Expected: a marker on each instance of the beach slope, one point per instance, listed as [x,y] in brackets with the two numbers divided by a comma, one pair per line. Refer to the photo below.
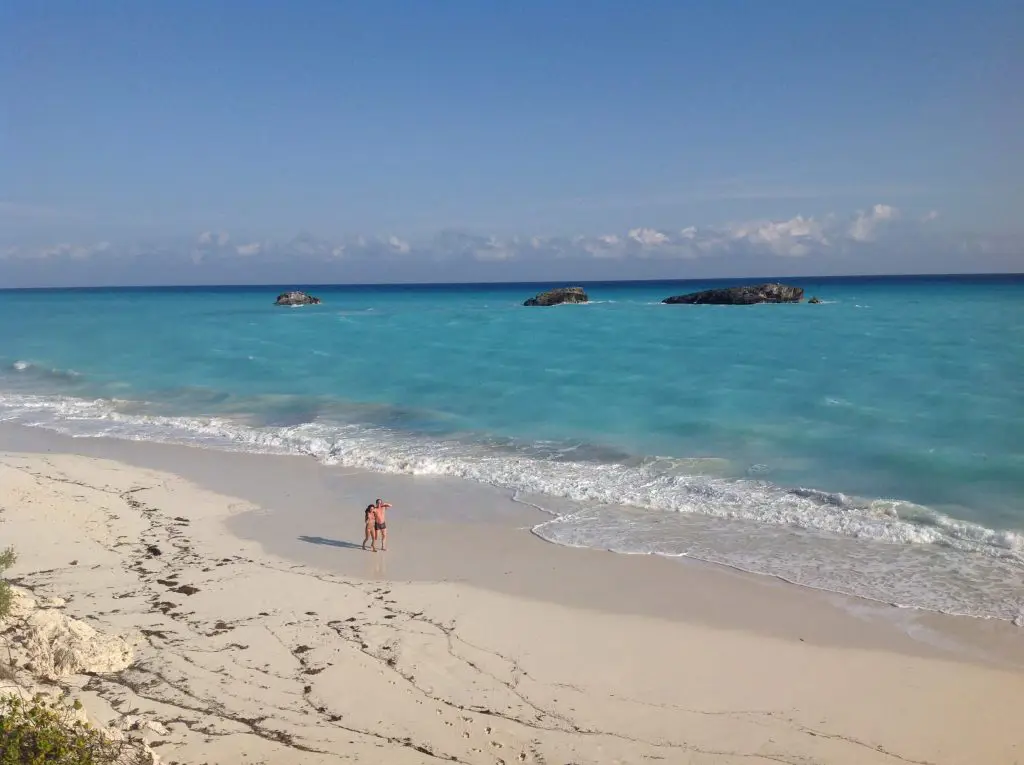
[240,656]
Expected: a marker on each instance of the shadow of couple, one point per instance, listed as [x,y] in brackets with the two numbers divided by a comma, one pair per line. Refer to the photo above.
[330,542]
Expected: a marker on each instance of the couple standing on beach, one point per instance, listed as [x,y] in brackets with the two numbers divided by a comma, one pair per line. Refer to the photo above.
[375,524]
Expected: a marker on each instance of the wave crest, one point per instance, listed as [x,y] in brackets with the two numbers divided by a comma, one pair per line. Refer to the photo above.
[40,370]
[641,490]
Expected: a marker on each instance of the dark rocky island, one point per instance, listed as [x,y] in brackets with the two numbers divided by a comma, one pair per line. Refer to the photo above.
[746,295]
[296,298]
[558,296]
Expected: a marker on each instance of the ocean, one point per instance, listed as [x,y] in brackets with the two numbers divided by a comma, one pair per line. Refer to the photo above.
[871,445]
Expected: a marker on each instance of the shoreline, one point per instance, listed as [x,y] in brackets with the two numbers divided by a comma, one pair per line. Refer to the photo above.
[910,557]
[245,655]
[501,554]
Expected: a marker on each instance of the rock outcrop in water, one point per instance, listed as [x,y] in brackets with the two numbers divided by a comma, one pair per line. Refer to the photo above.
[558,296]
[296,298]
[746,295]
[814,301]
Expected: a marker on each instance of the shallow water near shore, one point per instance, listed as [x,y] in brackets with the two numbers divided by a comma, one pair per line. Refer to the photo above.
[870,445]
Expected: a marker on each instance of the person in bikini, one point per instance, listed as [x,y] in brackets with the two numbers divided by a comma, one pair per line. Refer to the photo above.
[369,519]
[380,525]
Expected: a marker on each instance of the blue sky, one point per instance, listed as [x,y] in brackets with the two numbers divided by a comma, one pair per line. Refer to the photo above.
[196,141]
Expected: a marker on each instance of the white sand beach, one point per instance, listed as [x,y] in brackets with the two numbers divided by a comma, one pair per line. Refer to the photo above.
[262,637]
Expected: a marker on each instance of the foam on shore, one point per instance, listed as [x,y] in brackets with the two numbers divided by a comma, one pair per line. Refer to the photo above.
[887,550]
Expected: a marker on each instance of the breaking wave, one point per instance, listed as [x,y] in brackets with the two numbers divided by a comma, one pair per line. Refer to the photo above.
[884,549]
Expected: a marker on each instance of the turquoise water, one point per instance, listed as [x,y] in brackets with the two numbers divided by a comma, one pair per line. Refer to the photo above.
[873,444]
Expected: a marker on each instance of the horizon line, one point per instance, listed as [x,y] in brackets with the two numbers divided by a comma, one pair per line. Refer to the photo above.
[529,282]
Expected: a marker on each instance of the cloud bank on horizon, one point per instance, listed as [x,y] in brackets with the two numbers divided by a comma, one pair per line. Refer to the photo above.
[857,243]
[739,140]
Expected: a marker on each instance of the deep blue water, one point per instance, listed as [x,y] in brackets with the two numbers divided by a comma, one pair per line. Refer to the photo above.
[872,444]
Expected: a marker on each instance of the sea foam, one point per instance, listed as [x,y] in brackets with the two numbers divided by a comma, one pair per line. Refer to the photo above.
[884,549]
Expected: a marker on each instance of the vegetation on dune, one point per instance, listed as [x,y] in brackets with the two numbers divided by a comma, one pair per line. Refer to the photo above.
[40,733]
[7,559]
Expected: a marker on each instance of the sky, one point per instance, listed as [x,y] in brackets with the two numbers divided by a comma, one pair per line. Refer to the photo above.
[193,141]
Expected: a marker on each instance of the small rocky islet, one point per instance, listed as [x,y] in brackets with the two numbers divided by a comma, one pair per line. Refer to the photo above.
[751,294]
[559,296]
[296,297]
[743,295]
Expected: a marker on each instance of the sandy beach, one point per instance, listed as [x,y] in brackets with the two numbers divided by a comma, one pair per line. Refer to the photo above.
[260,633]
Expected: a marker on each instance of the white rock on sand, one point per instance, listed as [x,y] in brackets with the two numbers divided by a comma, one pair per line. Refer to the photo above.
[46,646]
[55,645]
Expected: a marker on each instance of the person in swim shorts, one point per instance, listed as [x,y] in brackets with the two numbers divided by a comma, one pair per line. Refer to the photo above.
[380,526]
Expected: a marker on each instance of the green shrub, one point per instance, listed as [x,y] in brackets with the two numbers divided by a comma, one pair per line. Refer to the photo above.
[7,559]
[38,733]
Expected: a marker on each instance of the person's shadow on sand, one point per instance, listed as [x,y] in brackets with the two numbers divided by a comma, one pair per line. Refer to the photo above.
[329,542]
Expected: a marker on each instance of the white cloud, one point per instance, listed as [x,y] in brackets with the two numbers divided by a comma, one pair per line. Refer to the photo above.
[494,249]
[865,225]
[800,236]
[603,246]
[449,244]
[252,248]
[648,237]
[930,216]
[309,246]
[220,238]
[88,252]
[795,237]
[62,250]
[398,245]
[57,250]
